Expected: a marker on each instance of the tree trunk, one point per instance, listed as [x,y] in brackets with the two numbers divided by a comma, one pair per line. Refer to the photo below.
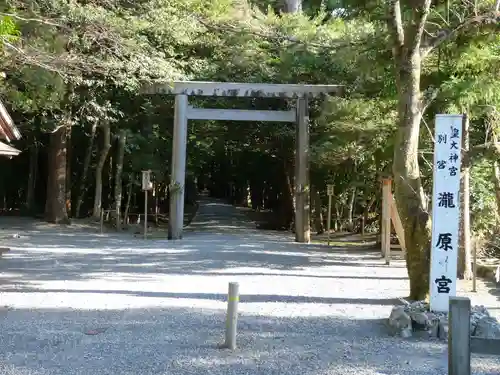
[30,196]
[55,206]
[496,183]
[366,213]
[350,210]
[337,225]
[465,255]
[288,208]
[110,170]
[122,139]
[409,195]
[86,165]
[157,207]
[129,198]
[496,175]
[100,165]
[68,171]
[380,224]
[293,6]
[51,161]
[318,211]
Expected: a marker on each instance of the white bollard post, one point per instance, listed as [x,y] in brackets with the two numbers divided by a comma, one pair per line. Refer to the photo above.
[232,315]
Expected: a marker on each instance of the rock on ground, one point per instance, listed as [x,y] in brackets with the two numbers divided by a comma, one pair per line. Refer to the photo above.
[407,318]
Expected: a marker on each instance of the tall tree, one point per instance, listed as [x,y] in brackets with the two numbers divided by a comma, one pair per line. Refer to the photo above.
[407,28]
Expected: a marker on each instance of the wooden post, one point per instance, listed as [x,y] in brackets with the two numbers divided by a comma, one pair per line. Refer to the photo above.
[466,208]
[232,315]
[398,225]
[386,219]
[302,208]
[328,222]
[474,270]
[146,185]
[381,225]
[176,215]
[459,337]
[329,192]
[145,214]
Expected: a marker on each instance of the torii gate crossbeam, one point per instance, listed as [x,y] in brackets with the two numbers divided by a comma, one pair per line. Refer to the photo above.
[183,112]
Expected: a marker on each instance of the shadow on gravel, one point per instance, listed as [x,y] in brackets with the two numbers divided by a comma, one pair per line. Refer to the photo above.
[254,298]
[175,341]
[493,289]
[184,341]
[83,257]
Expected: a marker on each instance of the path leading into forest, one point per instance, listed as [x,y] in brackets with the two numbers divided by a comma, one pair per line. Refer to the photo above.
[82,303]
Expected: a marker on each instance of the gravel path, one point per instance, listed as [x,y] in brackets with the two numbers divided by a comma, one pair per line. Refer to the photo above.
[83,303]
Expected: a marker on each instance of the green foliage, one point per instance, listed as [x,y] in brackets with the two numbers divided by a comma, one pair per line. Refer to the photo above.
[483,205]
[87,60]
[354,129]
[8,30]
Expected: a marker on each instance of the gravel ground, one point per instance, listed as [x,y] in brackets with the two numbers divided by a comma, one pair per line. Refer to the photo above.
[82,303]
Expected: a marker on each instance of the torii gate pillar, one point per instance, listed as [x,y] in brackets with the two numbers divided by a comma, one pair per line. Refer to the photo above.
[178,176]
[299,116]
[302,198]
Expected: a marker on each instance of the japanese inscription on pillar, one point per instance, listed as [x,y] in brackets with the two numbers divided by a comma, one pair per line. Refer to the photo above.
[445,210]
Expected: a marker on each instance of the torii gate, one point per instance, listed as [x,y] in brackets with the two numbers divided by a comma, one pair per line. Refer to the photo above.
[184,112]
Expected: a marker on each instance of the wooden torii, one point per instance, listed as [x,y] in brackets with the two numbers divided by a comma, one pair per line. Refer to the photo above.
[184,112]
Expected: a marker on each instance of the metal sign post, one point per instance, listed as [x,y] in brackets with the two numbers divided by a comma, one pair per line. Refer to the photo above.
[329,191]
[146,185]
